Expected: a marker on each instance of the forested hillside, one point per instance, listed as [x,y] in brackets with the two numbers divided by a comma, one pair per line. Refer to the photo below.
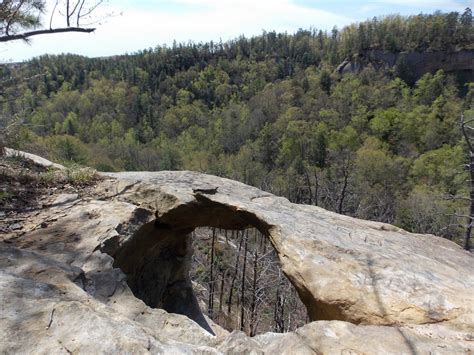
[270,111]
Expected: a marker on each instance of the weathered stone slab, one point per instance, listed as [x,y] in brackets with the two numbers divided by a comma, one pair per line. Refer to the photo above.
[343,268]
[370,287]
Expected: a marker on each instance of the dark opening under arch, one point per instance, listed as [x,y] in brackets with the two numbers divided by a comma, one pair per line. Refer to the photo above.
[157,258]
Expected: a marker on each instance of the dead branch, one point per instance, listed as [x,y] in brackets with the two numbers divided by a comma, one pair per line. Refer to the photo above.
[29,34]
[453,197]
[464,132]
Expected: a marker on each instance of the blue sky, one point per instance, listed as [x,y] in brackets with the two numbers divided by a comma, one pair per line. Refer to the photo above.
[140,24]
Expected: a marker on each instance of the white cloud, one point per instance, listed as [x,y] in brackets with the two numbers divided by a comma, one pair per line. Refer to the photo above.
[210,20]
[426,3]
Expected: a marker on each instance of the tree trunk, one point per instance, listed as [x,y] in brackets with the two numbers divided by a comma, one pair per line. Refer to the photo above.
[316,188]
[253,305]
[279,310]
[308,184]
[242,290]
[210,308]
[234,277]
[343,194]
[221,294]
[467,133]
[467,234]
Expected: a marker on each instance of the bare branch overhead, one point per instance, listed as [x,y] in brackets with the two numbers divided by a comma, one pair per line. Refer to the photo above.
[22,19]
[26,35]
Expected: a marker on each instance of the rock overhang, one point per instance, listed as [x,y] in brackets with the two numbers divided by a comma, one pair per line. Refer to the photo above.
[356,266]
[343,268]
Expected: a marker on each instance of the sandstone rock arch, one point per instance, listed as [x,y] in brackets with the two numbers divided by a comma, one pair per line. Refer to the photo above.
[62,293]
[343,268]
[156,259]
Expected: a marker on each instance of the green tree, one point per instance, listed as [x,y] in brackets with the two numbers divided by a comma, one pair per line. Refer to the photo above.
[378,178]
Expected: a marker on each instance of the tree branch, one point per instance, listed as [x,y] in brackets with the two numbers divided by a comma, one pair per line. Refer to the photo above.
[52,15]
[79,12]
[463,129]
[89,11]
[26,35]
[455,197]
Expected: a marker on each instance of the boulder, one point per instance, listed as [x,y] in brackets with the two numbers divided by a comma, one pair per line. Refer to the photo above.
[34,158]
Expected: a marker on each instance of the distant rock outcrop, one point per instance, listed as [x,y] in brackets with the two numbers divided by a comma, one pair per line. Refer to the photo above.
[107,270]
[413,63]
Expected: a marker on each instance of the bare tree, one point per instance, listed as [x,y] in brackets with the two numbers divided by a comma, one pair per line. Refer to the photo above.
[279,309]
[234,276]
[255,290]
[242,296]
[221,292]
[23,19]
[245,274]
[210,307]
[467,132]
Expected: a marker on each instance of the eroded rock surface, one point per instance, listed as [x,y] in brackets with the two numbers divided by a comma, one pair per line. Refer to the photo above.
[68,286]
[419,63]
[343,268]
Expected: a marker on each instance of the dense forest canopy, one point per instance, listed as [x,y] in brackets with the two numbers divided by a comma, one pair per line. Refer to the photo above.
[270,111]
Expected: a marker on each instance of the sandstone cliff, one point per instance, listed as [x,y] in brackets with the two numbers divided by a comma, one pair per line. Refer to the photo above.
[107,272]
[415,63]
